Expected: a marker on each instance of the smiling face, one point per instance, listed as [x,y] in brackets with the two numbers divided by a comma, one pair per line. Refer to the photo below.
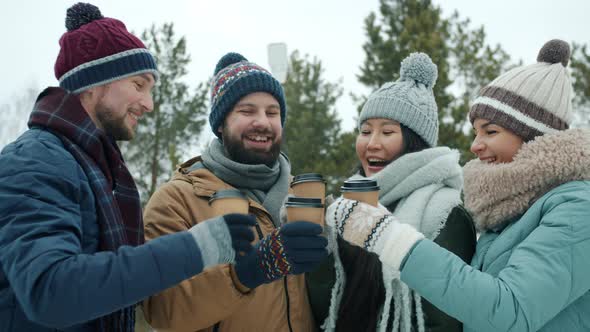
[117,106]
[493,143]
[379,142]
[252,131]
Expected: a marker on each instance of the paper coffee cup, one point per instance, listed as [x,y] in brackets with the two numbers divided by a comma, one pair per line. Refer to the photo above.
[229,201]
[363,190]
[309,185]
[306,209]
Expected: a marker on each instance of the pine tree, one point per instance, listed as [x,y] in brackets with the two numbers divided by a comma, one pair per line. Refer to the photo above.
[343,161]
[403,27]
[580,66]
[166,134]
[312,129]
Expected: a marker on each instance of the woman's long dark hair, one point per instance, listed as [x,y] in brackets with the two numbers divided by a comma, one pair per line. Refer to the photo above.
[364,293]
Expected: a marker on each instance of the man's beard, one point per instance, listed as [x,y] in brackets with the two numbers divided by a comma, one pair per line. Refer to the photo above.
[237,152]
[112,124]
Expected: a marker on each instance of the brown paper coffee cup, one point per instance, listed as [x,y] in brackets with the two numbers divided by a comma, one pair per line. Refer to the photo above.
[365,190]
[229,201]
[306,209]
[309,185]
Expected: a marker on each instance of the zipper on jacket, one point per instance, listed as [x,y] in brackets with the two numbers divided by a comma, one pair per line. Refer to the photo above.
[260,235]
[288,305]
[259,231]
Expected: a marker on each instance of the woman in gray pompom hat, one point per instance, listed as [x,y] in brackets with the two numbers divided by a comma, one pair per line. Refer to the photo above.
[420,184]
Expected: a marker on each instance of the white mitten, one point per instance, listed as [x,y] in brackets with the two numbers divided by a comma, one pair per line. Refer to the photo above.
[372,228]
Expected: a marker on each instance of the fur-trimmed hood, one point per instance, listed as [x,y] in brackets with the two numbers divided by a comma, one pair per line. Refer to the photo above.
[496,193]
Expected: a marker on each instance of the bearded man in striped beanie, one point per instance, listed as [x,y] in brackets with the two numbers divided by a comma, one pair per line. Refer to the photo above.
[248,112]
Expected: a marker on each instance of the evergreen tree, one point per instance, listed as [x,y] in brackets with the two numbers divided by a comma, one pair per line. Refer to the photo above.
[165,135]
[343,161]
[403,27]
[580,66]
[312,131]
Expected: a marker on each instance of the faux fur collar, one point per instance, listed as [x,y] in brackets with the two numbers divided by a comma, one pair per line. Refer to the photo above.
[496,193]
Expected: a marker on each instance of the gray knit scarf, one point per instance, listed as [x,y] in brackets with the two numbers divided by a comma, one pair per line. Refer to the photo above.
[427,184]
[267,185]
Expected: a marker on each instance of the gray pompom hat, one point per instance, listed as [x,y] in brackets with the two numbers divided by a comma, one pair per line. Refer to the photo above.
[409,100]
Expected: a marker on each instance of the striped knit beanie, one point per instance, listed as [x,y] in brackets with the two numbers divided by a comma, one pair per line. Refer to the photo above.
[235,78]
[531,100]
[97,50]
[409,100]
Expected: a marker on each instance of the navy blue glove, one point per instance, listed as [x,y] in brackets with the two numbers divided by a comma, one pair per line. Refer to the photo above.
[295,248]
[240,230]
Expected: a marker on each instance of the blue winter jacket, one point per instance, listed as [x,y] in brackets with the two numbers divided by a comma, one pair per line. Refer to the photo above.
[533,275]
[52,276]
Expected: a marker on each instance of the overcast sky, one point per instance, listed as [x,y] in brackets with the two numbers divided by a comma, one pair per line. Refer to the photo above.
[332,30]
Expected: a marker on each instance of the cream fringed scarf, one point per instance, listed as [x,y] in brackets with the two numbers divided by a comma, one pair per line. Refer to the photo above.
[495,193]
[427,185]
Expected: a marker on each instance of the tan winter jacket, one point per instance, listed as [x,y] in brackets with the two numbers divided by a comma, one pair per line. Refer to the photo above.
[215,300]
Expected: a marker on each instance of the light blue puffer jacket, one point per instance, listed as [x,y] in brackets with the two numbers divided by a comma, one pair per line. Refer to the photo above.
[532,275]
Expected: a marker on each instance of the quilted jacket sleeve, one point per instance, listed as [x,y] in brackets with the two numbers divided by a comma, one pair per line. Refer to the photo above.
[54,281]
[544,274]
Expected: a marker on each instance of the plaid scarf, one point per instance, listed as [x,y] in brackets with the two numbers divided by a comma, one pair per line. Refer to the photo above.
[117,200]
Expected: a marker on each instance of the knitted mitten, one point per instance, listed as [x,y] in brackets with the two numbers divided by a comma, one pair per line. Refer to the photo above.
[374,229]
[220,238]
[295,248]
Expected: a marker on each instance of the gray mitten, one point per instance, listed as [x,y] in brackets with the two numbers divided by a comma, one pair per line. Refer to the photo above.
[220,238]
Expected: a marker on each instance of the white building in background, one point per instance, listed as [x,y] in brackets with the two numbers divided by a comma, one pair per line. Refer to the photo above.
[278,61]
